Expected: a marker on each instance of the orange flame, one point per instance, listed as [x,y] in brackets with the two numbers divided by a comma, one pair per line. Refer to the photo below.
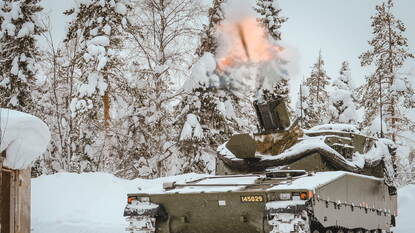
[244,41]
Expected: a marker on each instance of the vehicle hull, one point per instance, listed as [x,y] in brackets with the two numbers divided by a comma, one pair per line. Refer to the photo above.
[203,213]
[347,201]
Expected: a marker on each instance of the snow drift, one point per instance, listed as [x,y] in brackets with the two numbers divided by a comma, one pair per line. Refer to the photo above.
[23,136]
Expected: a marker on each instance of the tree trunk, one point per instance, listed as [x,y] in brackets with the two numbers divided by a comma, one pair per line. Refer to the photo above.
[391,79]
[106,101]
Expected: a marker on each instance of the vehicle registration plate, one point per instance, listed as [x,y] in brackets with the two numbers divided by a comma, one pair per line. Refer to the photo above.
[253,198]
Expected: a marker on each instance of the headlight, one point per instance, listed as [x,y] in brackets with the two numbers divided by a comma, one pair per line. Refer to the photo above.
[285,196]
[144,199]
[139,199]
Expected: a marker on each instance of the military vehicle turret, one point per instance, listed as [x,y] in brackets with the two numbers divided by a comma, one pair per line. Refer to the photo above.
[282,179]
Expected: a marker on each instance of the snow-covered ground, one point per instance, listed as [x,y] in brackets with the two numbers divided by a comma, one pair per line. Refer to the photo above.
[86,203]
[406,206]
[94,202]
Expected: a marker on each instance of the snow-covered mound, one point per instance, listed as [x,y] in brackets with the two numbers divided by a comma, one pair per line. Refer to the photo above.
[88,202]
[94,202]
[23,136]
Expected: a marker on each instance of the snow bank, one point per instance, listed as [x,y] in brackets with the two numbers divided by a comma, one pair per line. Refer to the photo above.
[23,136]
[406,206]
[88,202]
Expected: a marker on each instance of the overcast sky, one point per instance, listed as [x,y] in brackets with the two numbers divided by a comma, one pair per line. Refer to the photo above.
[340,28]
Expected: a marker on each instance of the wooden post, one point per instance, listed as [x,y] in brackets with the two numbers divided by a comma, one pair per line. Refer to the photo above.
[23,202]
[14,199]
[5,199]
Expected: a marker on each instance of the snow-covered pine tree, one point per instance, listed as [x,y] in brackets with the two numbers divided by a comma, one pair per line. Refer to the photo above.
[67,149]
[98,26]
[270,77]
[300,104]
[315,105]
[270,17]
[146,138]
[163,41]
[342,108]
[385,91]
[19,26]
[281,89]
[101,24]
[405,166]
[305,108]
[210,112]
[208,41]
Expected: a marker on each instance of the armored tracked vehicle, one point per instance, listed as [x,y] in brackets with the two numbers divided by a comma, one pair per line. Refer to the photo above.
[329,179]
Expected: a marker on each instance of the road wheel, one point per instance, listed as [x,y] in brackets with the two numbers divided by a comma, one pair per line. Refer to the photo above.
[340,231]
[316,231]
[329,231]
[359,231]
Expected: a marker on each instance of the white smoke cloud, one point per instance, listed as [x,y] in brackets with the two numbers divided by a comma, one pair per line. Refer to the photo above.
[243,42]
